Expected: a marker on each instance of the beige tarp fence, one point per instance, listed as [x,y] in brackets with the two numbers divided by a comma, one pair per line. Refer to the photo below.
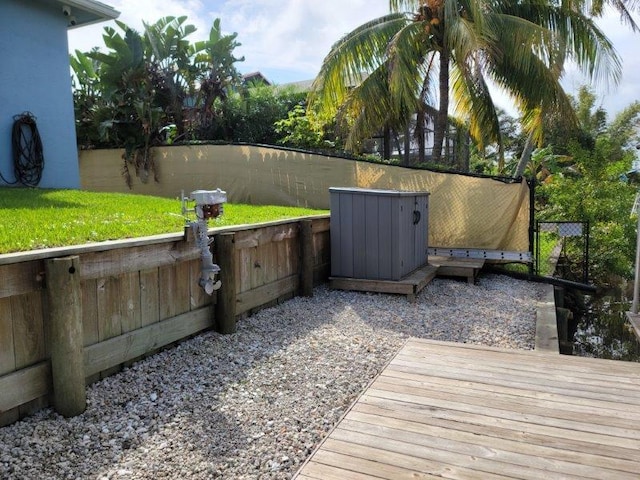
[464,212]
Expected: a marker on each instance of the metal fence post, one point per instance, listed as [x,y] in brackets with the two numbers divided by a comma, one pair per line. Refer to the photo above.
[532,219]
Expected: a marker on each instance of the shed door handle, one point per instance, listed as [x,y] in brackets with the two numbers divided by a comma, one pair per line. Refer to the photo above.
[416,217]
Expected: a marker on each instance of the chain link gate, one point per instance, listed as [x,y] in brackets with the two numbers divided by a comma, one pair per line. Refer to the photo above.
[562,250]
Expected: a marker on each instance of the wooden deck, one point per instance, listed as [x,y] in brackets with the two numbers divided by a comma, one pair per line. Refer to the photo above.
[457,411]
[413,283]
[457,267]
[410,285]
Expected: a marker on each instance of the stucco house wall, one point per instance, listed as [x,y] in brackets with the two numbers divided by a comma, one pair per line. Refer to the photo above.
[35,77]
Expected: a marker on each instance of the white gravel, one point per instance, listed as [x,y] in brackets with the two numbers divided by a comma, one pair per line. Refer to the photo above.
[255,404]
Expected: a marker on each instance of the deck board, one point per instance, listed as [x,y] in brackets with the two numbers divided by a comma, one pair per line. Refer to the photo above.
[409,285]
[457,267]
[458,411]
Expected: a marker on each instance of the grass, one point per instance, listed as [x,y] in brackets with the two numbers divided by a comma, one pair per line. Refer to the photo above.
[547,243]
[34,218]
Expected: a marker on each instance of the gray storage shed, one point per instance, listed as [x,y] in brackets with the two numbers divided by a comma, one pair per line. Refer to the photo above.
[378,234]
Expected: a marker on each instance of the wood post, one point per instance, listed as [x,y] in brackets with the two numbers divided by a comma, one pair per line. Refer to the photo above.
[65,335]
[226,305]
[306,252]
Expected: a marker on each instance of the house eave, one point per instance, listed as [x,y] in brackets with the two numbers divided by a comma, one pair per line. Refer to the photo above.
[89,12]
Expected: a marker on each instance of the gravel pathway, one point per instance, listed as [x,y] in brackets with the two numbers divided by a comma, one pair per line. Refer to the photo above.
[255,404]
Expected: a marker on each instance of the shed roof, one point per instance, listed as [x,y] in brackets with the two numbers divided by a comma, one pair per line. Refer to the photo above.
[86,12]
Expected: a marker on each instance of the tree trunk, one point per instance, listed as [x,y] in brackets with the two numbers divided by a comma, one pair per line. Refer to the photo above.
[419,132]
[386,149]
[407,146]
[525,157]
[441,120]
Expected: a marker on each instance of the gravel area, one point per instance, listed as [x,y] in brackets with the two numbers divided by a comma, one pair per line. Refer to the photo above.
[255,404]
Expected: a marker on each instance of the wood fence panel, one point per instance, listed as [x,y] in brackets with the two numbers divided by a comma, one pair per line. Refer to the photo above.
[288,257]
[293,246]
[244,268]
[258,265]
[109,315]
[23,391]
[149,297]
[28,329]
[226,300]
[167,285]
[269,262]
[239,268]
[282,261]
[90,330]
[116,262]
[117,350]
[130,301]
[174,290]
[321,225]
[29,339]
[19,278]
[183,276]
[251,254]
[108,303]
[7,354]
[136,297]
[90,327]
[9,416]
[322,250]
[7,357]
[258,297]
[263,235]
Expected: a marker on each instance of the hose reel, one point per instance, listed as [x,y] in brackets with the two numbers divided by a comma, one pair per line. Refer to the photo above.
[28,158]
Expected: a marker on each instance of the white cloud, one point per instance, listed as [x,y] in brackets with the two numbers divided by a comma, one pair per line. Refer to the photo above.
[293,35]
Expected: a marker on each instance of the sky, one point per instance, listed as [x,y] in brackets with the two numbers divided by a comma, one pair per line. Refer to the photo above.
[286,40]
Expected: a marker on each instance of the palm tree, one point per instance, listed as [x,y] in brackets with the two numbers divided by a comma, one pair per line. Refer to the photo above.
[386,70]
[594,9]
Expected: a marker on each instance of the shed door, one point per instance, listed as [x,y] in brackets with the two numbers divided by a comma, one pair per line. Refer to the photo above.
[421,230]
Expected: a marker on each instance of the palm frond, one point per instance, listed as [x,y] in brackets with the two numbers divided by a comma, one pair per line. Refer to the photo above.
[360,52]
[407,53]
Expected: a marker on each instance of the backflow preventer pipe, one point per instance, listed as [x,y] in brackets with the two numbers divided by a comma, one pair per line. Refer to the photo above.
[208,205]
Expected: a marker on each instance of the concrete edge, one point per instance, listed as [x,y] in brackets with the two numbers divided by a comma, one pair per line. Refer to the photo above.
[546,323]
[634,320]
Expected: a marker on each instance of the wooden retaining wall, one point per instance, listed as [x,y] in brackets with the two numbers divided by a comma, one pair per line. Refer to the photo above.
[137,296]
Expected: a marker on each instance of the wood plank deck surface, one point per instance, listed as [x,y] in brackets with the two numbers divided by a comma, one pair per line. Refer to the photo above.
[410,285]
[458,411]
[457,267]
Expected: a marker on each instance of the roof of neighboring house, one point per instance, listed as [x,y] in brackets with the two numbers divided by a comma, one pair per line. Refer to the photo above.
[305,85]
[299,86]
[256,77]
[86,12]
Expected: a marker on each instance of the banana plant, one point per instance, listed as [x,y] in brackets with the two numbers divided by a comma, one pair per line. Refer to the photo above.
[129,94]
[170,63]
[215,62]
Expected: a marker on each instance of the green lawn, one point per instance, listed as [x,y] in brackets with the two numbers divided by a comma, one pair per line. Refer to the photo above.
[547,243]
[34,218]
